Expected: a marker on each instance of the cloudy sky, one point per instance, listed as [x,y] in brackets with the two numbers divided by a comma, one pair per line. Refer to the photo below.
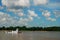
[30,13]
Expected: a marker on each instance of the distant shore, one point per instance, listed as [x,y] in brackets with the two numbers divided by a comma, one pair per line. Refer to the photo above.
[24,28]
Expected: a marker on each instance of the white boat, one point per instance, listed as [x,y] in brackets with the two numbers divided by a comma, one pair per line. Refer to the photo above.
[12,32]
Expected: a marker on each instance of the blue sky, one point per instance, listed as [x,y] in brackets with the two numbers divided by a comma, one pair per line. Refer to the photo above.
[43,13]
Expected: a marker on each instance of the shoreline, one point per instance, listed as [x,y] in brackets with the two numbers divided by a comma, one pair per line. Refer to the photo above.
[31,31]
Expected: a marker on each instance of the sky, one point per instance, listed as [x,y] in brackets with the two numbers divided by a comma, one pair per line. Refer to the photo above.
[42,13]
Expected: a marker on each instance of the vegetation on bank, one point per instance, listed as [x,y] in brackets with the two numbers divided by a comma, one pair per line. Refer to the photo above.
[24,28]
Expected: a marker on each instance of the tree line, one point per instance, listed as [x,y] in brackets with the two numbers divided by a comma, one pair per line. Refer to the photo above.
[24,28]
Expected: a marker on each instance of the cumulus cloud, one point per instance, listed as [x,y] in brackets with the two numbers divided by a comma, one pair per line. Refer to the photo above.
[30,18]
[40,2]
[25,21]
[7,20]
[46,13]
[23,3]
[20,14]
[32,13]
[14,10]
[3,16]
[51,19]
[10,3]
[15,5]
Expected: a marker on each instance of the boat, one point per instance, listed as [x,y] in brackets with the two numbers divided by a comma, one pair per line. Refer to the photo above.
[12,32]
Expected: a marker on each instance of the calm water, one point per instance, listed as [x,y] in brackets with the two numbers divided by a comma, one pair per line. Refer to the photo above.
[29,35]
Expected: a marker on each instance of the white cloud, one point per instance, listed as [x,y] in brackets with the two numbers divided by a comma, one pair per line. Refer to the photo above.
[4,2]
[32,13]
[46,13]
[15,10]
[7,20]
[20,14]
[1,13]
[51,19]
[25,21]
[40,2]
[10,3]
[3,19]
[3,16]
[23,3]
[30,18]
[15,5]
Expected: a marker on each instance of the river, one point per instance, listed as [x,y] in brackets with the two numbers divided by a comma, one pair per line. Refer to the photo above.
[31,35]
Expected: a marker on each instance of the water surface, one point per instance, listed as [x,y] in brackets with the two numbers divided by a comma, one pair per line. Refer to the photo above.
[30,35]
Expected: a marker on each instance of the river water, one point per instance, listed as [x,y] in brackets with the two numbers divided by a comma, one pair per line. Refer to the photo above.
[30,35]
